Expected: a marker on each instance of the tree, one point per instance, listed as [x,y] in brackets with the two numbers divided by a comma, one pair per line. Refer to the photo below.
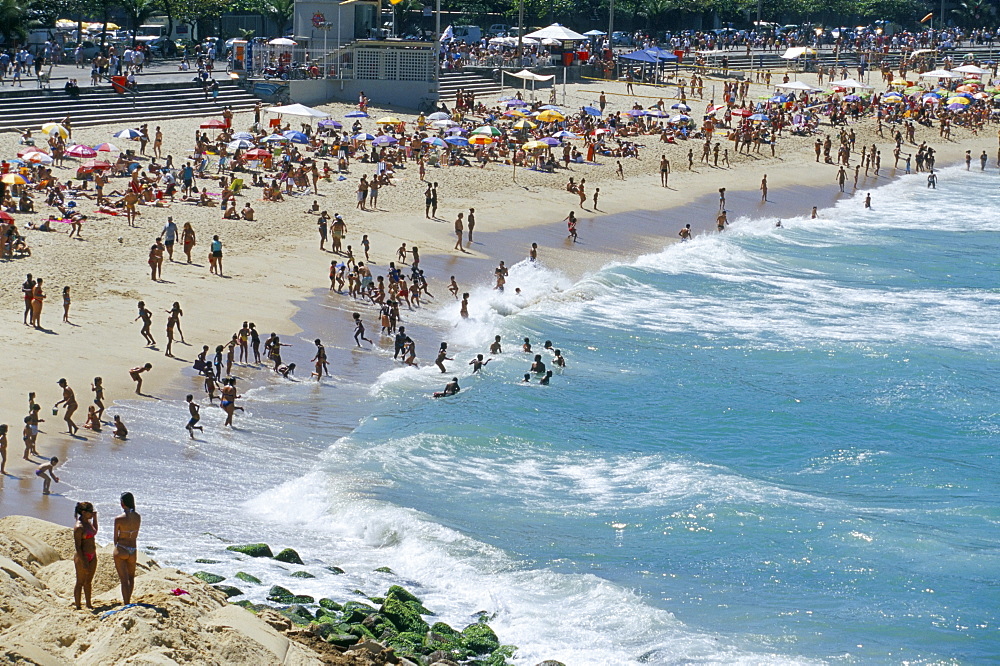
[975,13]
[137,12]
[279,12]
[13,20]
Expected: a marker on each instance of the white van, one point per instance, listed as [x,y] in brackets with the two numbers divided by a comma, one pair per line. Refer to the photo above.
[498,30]
[469,34]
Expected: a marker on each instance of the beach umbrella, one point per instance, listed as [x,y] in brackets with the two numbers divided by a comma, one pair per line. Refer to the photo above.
[38,158]
[295,137]
[257,153]
[931,100]
[981,95]
[384,140]
[246,136]
[457,141]
[515,113]
[438,115]
[524,125]
[441,124]
[487,130]
[591,111]
[480,140]
[758,117]
[959,100]
[330,122]
[274,138]
[550,107]
[93,165]
[680,118]
[599,131]
[656,113]
[534,145]
[28,150]
[781,99]
[364,136]
[388,120]
[127,134]
[283,41]
[214,123]
[55,128]
[891,100]
[635,113]
[5,216]
[742,112]
[356,114]
[852,98]
[549,141]
[956,107]
[680,106]
[563,134]
[516,102]
[239,143]
[456,130]
[14,179]
[107,148]
[80,150]
[434,141]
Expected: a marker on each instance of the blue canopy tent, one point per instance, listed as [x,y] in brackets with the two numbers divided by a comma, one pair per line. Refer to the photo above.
[654,57]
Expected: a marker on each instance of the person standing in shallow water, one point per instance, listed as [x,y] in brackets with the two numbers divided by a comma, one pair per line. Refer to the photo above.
[126,531]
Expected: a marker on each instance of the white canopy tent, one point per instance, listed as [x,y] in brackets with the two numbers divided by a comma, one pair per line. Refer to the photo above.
[556,31]
[849,83]
[299,110]
[940,74]
[526,75]
[797,52]
[971,69]
[798,86]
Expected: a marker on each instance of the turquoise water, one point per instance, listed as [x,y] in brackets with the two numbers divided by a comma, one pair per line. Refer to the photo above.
[771,445]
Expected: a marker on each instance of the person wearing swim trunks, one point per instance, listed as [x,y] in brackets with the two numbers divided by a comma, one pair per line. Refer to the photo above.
[136,375]
[195,410]
[27,289]
[48,474]
[85,557]
[121,432]
[125,532]
[68,399]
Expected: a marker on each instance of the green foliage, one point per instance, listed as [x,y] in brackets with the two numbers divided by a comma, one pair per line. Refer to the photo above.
[975,13]
[278,12]
[13,20]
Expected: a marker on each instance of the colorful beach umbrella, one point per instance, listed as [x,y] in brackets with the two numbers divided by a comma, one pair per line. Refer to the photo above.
[388,120]
[356,114]
[635,113]
[55,128]
[759,117]
[549,141]
[550,116]
[364,136]
[591,111]
[14,179]
[438,115]
[80,150]
[330,122]
[487,130]
[524,125]
[95,164]
[38,158]
[457,141]
[563,134]
[257,153]
[435,141]
[742,112]
[384,140]
[214,123]
[480,140]
[127,134]
[107,148]
[275,138]
[295,137]
[246,136]
[239,144]
[534,145]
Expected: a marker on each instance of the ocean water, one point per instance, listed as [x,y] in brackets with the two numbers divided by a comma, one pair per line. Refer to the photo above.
[774,445]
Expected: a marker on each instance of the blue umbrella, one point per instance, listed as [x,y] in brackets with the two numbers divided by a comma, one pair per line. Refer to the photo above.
[363,137]
[329,122]
[274,138]
[456,130]
[591,111]
[563,134]
[851,98]
[434,141]
[295,137]
[127,134]
[680,106]
[384,140]
[549,141]
[551,107]
[246,136]
[356,114]
[457,141]
[635,113]
[517,102]
[781,99]
[758,116]
[957,107]
[656,113]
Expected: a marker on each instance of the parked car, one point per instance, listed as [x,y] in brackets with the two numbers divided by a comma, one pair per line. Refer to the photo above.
[90,51]
[619,38]
[163,47]
[498,30]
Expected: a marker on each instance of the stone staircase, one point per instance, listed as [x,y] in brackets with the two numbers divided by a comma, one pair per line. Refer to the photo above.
[450,82]
[31,108]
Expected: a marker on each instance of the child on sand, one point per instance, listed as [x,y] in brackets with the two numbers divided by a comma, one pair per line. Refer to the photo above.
[136,375]
[48,474]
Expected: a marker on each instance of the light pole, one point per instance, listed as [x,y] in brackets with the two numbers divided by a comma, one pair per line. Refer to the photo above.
[520,29]
[325,27]
[611,25]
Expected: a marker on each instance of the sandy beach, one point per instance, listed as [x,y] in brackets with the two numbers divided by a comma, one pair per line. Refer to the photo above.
[272,264]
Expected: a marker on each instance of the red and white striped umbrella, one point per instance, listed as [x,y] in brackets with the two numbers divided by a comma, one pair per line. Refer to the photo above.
[81,150]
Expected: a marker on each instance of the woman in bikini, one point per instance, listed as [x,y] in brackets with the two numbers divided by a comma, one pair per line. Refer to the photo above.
[125,533]
[188,237]
[85,559]
[37,298]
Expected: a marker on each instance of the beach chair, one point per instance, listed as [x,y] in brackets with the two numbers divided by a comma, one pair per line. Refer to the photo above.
[236,186]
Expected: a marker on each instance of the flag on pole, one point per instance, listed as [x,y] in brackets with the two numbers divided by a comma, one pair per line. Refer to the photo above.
[448,34]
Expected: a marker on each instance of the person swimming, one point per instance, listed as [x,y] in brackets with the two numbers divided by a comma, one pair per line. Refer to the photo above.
[451,388]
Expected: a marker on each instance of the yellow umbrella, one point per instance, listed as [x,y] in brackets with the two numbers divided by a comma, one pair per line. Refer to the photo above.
[524,124]
[50,128]
[388,120]
[14,179]
[480,140]
[532,145]
[550,116]
[959,100]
